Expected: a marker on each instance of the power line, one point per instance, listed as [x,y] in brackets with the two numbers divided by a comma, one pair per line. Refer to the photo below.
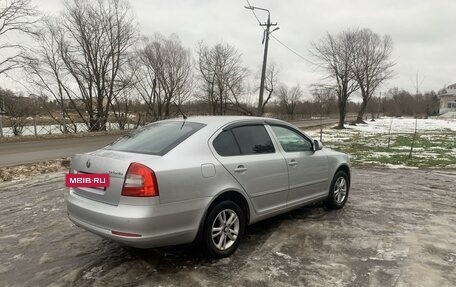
[254,14]
[277,40]
[291,50]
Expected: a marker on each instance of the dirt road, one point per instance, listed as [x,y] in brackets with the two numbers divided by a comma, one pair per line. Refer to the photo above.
[27,152]
[398,229]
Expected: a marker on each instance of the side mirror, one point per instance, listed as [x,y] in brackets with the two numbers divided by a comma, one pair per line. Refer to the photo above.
[317,145]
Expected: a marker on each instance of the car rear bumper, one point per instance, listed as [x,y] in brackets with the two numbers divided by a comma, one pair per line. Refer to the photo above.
[157,225]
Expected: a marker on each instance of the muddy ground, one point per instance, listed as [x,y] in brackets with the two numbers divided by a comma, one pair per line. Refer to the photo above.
[398,229]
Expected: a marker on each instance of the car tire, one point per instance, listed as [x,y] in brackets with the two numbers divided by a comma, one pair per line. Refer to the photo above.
[338,192]
[222,223]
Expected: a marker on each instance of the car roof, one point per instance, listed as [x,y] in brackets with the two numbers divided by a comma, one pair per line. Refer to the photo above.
[219,121]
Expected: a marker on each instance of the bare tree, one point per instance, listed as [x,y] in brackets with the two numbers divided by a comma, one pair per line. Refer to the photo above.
[120,108]
[222,76]
[289,98]
[17,108]
[166,77]
[94,44]
[334,55]
[16,16]
[46,72]
[123,97]
[323,96]
[371,64]
[271,82]
[145,85]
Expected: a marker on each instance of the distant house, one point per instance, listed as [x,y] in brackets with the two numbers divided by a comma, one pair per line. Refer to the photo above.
[448,99]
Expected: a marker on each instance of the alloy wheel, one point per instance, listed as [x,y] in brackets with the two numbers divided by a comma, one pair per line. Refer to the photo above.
[225,229]
[340,190]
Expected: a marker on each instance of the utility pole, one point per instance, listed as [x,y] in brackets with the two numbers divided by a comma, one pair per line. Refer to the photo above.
[266,34]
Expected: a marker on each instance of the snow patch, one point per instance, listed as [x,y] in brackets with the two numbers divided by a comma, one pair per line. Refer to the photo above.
[92,273]
[283,255]
[399,166]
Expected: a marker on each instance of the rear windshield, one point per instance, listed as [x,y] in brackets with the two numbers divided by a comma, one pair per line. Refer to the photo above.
[156,138]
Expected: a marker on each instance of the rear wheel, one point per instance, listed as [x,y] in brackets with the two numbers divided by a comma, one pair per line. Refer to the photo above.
[223,229]
[338,193]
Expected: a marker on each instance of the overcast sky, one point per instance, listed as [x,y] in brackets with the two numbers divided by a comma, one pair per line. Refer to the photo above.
[422,31]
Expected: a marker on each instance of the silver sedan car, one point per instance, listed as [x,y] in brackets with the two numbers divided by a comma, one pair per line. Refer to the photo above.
[204,179]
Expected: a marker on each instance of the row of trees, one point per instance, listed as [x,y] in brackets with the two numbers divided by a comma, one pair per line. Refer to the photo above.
[353,60]
[90,62]
[81,57]
[289,103]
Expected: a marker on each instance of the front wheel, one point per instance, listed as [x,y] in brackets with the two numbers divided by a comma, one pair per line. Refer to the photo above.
[223,229]
[338,193]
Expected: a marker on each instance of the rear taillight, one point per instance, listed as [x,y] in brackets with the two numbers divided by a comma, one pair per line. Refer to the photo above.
[140,181]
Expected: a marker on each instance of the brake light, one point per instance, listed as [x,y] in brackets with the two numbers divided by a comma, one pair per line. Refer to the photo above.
[140,181]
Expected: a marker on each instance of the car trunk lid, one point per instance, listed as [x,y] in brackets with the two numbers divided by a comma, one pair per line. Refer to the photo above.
[114,163]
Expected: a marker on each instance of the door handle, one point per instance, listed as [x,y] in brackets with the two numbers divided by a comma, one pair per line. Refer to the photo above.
[292,163]
[240,169]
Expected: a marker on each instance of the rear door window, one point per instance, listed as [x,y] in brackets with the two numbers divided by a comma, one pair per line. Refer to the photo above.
[156,138]
[225,144]
[253,139]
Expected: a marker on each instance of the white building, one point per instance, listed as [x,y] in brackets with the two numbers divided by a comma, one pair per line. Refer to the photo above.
[448,99]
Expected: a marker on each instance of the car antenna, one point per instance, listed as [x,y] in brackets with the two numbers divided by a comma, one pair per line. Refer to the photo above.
[180,111]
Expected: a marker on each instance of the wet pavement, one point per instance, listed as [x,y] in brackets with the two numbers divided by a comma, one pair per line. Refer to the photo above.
[398,229]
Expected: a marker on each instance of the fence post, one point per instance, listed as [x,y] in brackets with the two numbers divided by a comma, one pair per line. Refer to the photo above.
[34,126]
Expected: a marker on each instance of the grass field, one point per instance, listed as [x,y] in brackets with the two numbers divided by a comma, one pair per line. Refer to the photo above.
[388,141]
